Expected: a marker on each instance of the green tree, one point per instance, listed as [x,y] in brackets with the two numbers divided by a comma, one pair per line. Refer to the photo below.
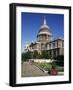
[26,56]
[35,54]
[60,60]
[45,54]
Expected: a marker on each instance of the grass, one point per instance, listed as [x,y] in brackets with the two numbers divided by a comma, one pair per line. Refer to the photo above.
[48,66]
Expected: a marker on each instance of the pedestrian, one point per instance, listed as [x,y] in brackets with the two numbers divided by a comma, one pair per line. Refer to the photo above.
[54,71]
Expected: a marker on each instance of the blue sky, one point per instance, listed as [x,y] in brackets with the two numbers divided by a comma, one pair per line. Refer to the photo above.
[31,22]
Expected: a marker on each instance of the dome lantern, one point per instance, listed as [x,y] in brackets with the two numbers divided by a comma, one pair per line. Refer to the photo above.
[44,34]
[44,21]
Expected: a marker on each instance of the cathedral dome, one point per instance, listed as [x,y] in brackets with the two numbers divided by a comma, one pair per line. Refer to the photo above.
[44,26]
[44,34]
[44,29]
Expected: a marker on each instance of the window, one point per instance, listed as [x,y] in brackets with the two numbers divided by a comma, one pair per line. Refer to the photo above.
[54,45]
[49,46]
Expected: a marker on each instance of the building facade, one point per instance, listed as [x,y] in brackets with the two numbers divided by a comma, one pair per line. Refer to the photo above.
[56,47]
[45,42]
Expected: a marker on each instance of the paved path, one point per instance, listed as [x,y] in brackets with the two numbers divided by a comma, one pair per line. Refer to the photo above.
[28,70]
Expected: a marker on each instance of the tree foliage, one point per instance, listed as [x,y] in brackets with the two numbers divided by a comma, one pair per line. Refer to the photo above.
[26,56]
[35,54]
[60,60]
[45,54]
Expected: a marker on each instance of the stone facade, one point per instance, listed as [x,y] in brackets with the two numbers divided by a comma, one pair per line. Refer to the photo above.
[45,42]
[56,47]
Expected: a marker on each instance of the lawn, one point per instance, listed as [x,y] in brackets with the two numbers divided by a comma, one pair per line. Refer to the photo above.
[48,66]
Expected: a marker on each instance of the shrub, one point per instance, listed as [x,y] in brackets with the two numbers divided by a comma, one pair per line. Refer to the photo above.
[45,54]
[35,54]
[26,56]
[60,60]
